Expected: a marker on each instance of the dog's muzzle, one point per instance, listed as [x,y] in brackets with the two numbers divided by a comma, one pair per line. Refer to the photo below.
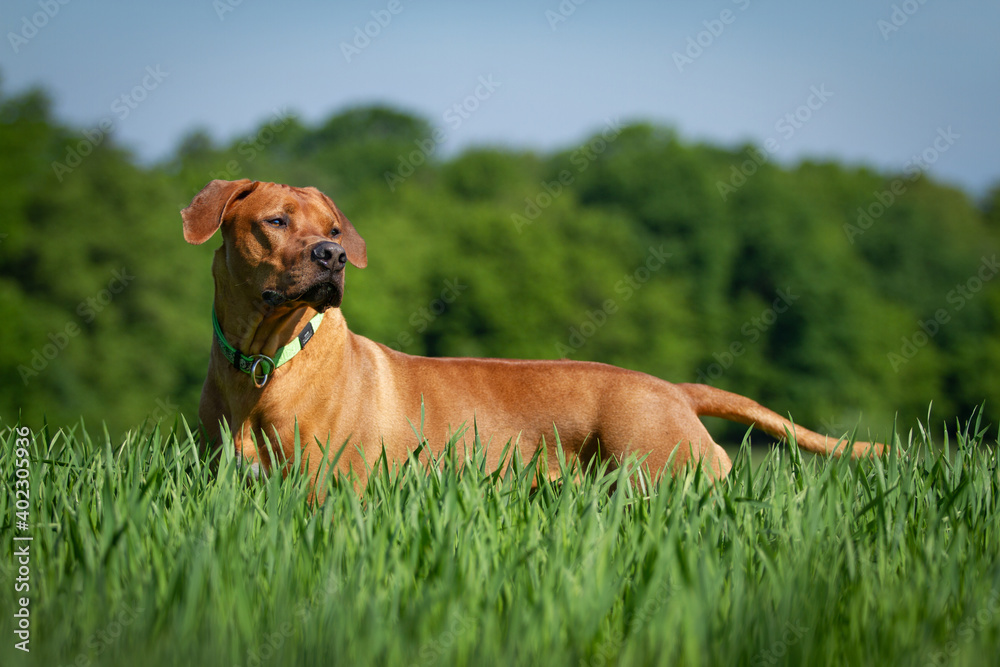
[328,290]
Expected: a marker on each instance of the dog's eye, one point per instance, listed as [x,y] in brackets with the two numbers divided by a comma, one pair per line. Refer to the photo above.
[334,233]
[277,222]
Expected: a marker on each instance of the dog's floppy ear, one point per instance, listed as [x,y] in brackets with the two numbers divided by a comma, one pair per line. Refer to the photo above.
[204,216]
[353,244]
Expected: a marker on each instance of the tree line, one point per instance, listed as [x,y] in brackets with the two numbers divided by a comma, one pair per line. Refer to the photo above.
[841,294]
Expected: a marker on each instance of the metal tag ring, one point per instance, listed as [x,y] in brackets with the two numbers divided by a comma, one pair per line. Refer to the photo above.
[260,381]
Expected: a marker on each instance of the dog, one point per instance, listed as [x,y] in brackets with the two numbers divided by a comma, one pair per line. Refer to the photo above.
[283,360]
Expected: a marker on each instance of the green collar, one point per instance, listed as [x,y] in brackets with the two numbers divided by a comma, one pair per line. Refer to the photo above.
[260,366]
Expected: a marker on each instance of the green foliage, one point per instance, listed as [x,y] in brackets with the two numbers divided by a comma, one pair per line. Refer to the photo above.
[634,248]
[139,551]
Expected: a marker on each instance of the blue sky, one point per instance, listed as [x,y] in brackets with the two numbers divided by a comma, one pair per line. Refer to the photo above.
[891,74]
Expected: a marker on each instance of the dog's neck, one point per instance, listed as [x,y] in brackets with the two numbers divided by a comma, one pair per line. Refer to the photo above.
[265,330]
[254,327]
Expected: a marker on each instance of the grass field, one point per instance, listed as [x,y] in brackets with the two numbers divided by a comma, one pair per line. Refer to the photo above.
[141,556]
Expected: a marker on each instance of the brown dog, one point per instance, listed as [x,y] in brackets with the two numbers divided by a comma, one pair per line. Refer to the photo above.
[281,268]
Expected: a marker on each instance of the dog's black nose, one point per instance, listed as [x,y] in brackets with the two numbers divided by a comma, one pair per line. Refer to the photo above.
[329,255]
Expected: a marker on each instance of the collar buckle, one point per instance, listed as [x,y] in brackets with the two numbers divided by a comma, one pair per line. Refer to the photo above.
[261,375]
[260,367]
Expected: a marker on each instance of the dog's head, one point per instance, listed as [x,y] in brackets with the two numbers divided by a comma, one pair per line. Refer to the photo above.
[281,244]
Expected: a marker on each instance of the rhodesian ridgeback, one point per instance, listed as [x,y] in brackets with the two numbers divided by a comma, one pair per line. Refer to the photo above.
[283,358]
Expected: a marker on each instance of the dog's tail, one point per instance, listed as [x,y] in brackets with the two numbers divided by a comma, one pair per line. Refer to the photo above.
[711,402]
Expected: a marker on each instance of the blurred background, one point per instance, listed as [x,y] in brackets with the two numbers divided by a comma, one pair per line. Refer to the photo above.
[797,202]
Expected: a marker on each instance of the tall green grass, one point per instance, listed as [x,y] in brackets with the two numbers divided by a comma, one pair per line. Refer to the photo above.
[142,555]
